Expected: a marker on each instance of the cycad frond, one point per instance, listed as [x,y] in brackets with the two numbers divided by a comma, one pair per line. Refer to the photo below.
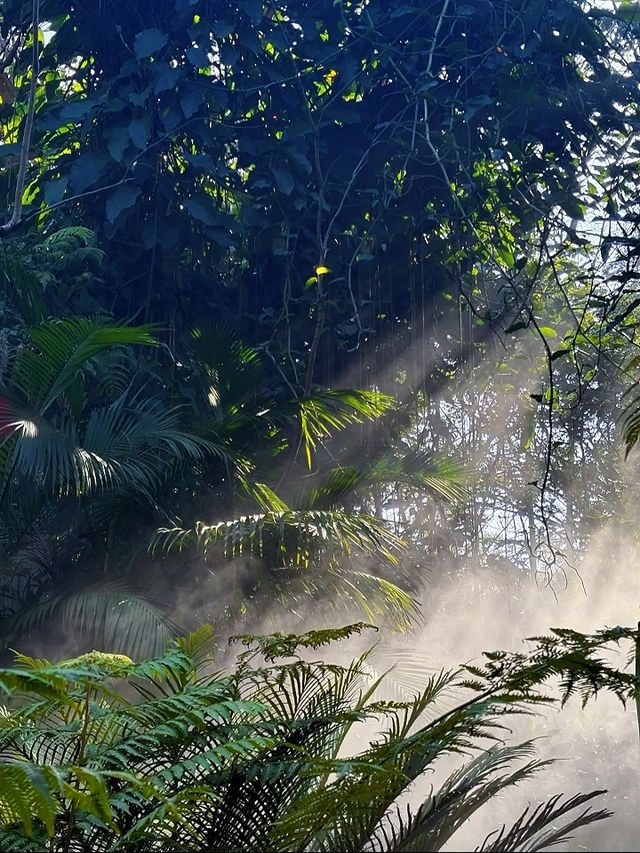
[25,795]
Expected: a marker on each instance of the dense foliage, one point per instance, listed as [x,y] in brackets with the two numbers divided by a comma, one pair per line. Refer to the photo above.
[102,753]
[307,307]
[304,197]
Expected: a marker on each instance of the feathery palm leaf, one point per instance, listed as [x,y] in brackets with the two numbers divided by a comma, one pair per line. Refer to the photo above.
[59,349]
[324,412]
[460,796]
[308,554]
[288,537]
[534,830]
[442,478]
[113,612]
[233,369]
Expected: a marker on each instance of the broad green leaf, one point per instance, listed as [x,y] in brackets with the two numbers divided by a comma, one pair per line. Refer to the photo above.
[122,198]
[118,142]
[139,132]
[203,214]
[284,181]
[148,42]
[506,257]
[87,170]
[54,191]
[197,57]
[10,149]
[547,331]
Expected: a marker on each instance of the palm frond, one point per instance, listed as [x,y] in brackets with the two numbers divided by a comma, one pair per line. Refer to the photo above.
[308,555]
[631,424]
[59,349]
[291,538]
[139,440]
[534,828]
[42,452]
[460,796]
[131,444]
[439,477]
[340,588]
[323,413]
[113,613]
[265,497]
[233,370]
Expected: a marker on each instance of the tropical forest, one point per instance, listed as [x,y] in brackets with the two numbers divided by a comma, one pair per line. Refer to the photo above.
[319,425]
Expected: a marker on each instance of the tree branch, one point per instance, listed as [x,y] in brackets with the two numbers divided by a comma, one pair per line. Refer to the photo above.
[16,216]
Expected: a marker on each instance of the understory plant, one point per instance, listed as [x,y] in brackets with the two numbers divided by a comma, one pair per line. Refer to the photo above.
[101,753]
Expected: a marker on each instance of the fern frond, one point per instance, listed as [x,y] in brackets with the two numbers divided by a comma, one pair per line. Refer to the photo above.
[159,754]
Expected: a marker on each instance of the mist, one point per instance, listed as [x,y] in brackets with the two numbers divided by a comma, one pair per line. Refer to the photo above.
[578,570]
[596,747]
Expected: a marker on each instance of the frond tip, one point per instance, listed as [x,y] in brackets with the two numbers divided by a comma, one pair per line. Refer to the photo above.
[534,829]
[323,413]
